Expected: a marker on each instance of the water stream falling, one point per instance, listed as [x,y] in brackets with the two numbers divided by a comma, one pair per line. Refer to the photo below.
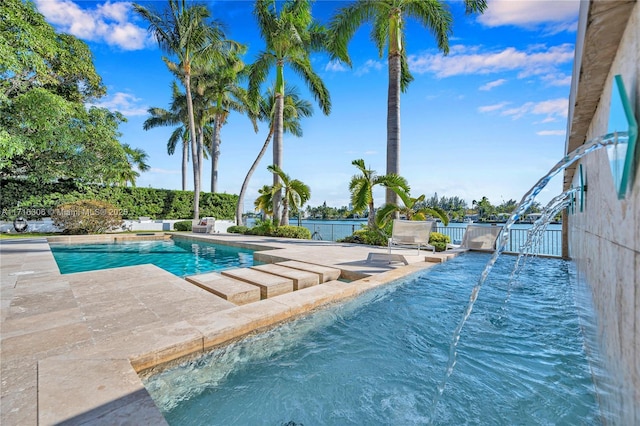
[535,237]
[503,239]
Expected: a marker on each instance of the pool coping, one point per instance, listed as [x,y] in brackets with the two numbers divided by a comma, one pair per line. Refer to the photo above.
[72,357]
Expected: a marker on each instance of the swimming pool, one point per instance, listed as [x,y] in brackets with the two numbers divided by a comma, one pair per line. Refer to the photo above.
[179,256]
[379,359]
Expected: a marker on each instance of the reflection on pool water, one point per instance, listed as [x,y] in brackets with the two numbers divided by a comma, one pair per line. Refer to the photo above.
[179,256]
[379,359]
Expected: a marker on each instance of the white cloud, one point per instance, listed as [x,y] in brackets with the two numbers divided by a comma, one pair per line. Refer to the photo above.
[463,60]
[554,15]
[108,22]
[551,109]
[368,66]
[335,66]
[556,79]
[491,108]
[125,103]
[551,133]
[490,85]
[160,171]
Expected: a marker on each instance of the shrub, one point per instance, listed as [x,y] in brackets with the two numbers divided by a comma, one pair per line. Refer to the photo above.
[237,229]
[372,237]
[439,241]
[86,217]
[263,227]
[184,225]
[291,231]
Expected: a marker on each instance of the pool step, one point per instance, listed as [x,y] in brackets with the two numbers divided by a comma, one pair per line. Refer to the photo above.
[301,279]
[270,285]
[238,292]
[324,273]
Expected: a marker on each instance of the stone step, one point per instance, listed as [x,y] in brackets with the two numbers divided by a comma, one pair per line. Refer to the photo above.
[235,291]
[324,272]
[301,279]
[270,285]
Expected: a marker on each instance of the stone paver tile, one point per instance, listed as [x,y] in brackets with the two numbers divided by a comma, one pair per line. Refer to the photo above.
[309,298]
[40,303]
[301,279]
[172,312]
[346,289]
[45,342]
[270,285]
[119,318]
[235,291]
[39,322]
[326,273]
[144,347]
[223,326]
[99,391]
[19,392]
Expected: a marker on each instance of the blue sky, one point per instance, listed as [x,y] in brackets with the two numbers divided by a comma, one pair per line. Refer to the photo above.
[488,120]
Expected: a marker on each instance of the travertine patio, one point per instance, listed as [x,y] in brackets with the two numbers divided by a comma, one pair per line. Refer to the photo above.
[71,346]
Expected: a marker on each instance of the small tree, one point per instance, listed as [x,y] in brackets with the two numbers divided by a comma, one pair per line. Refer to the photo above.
[413,209]
[86,217]
[296,193]
[361,187]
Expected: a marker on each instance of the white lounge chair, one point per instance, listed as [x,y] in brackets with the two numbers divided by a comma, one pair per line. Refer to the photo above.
[478,237]
[204,225]
[411,233]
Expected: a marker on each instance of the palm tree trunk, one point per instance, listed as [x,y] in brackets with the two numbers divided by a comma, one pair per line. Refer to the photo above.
[393,104]
[278,134]
[200,136]
[284,220]
[215,153]
[195,151]
[371,220]
[245,184]
[185,164]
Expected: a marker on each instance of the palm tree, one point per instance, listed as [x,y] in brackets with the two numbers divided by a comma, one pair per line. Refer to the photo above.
[294,109]
[219,84]
[412,209]
[264,202]
[183,31]
[162,117]
[388,19]
[296,193]
[290,36]
[361,188]
[137,159]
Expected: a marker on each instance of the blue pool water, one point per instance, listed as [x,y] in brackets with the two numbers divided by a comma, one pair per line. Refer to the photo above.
[181,257]
[380,358]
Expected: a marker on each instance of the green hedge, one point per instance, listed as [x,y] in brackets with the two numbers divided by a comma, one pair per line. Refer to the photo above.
[19,197]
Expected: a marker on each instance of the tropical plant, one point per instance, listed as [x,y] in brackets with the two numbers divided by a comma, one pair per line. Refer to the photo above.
[188,33]
[294,109]
[412,209]
[176,116]
[439,240]
[219,84]
[264,202]
[290,36]
[296,193]
[361,188]
[136,160]
[388,19]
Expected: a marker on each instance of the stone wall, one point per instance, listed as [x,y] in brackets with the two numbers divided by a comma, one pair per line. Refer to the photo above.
[604,242]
